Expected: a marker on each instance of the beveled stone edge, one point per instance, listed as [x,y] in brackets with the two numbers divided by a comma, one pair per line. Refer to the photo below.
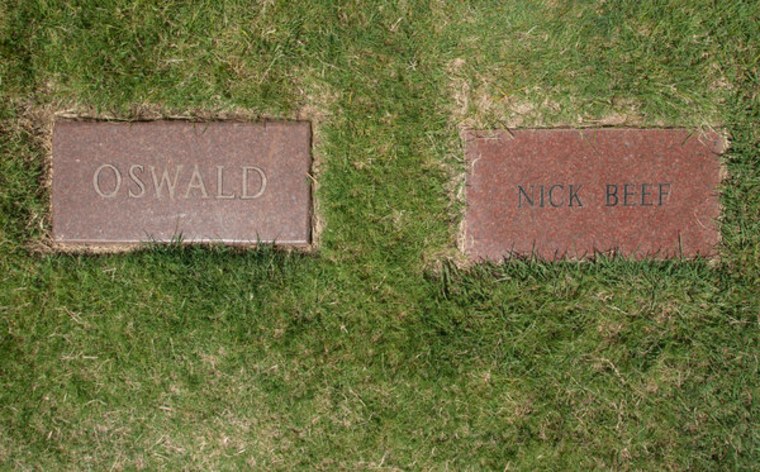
[464,257]
[126,247]
[48,244]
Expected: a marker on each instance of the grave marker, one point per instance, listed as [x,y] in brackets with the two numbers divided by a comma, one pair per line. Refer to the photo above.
[228,182]
[568,193]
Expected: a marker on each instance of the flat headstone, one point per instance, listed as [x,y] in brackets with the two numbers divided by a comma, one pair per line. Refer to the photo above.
[570,193]
[160,181]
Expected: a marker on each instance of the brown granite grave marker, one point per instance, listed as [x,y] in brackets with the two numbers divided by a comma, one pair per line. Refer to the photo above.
[228,182]
[569,193]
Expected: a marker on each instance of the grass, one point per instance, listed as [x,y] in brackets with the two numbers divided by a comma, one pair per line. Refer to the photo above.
[379,351]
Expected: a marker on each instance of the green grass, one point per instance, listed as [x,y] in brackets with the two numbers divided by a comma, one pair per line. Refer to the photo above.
[379,351]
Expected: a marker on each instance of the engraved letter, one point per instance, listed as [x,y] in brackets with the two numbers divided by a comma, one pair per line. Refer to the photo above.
[627,194]
[116,172]
[612,193]
[245,195]
[220,184]
[196,182]
[574,195]
[551,192]
[644,194]
[667,192]
[136,180]
[520,192]
[165,180]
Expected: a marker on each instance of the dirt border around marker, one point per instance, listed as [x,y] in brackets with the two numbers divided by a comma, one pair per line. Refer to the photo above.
[39,121]
[464,261]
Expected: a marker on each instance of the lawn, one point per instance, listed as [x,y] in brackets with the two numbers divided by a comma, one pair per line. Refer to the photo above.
[381,348]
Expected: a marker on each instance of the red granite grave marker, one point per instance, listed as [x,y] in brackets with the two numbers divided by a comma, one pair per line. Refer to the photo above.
[570,193]
[228,182]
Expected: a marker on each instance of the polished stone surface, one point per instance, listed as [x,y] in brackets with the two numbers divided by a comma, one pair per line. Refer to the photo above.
[569,193]
[228,182]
